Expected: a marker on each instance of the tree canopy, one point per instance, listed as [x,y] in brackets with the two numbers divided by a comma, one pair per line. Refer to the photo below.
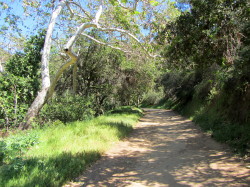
[87,44]
[127,26]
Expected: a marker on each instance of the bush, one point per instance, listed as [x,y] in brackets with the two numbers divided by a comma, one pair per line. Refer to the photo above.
[67,108]
[20,82]
[152,98]
[14,99]
[179,85]
[13,148]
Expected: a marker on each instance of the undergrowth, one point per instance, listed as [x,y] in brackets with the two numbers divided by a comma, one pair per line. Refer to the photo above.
[59,152]
[213,121]
[209,100]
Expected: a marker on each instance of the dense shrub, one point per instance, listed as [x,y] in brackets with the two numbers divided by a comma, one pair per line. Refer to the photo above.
[179,85]
[152,98]
[20,82]
[209,45]
[13,100]
[12,151]
[67,108]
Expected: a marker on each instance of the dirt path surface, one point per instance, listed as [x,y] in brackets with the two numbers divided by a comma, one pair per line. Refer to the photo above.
[166,149]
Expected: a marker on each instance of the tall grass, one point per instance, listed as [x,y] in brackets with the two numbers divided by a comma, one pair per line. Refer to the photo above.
[65,150]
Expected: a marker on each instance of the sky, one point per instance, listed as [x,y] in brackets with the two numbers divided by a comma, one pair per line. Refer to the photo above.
[23,27]
[26,23]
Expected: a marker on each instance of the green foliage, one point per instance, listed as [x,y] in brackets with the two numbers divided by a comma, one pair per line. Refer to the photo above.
[179,85]
[107,77]
[207,26]
[13,100]
[26,64]
[20,82]
[154,3]
[152,97]
[67,108]
[65,150]
[211,85]
[12,151]
[97,77]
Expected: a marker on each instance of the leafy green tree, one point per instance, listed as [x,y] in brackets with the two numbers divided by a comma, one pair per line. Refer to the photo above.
[20,82]
[124,24]
[107,77]
[206,35]
[26,64]
[210,43]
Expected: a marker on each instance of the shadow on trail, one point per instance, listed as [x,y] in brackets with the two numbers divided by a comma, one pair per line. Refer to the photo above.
[167,150]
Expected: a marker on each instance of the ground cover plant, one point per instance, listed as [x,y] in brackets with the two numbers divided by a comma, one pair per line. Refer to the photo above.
[57,153]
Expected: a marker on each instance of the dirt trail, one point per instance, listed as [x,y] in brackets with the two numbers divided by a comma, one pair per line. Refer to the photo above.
[166,149]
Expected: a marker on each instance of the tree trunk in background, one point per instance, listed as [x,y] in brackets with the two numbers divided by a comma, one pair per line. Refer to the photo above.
[75,78]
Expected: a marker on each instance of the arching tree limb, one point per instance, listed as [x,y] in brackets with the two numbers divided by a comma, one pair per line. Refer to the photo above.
[133,37]
[70,53]
[71,61]
[106,44]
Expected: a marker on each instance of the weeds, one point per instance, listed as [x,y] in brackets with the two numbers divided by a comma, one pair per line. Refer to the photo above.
[210,118]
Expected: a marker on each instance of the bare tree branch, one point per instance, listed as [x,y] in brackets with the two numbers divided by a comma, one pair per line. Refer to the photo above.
[47,45]
[98,14]
[106,44]
[132,36]
[70,10]
[84,26]
[73,38]
[70,53]
[135,5]
[84,11]
[128,8]
[71,61]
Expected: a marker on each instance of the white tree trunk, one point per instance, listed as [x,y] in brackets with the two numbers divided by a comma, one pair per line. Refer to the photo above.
[40,99]
[1,67]
[47,90]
